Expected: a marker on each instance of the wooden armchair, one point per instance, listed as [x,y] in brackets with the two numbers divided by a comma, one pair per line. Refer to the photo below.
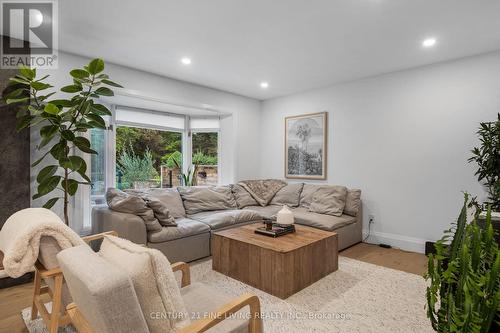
[201,325]
[53,287]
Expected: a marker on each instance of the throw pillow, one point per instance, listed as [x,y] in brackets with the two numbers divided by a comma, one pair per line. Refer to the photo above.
[199,199]
[161,212]
[329,200]
[242,197]
[353,202]
[288,195]
[125,203]
[154,282]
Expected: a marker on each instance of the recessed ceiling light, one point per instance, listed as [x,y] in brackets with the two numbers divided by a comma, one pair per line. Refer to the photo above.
[186,61]
[264,85]
[429,42]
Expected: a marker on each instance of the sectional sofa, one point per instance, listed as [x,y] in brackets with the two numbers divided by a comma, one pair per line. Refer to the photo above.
[199,212]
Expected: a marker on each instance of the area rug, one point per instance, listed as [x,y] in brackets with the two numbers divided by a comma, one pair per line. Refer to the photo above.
[359,297]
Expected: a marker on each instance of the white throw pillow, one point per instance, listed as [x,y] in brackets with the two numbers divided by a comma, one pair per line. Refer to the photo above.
[154,283]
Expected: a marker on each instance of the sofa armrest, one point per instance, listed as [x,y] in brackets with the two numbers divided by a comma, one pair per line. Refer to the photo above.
[127,226]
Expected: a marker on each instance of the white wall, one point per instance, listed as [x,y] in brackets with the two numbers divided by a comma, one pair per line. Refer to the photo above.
[403,138]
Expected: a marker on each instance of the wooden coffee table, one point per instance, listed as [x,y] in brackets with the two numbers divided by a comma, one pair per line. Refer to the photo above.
[279,266]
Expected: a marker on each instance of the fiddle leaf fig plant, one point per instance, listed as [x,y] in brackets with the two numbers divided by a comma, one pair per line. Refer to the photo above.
[62,123]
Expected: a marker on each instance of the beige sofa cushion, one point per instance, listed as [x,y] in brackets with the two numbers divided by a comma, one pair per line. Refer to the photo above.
[226,218]
[185,227]
[352,202]
[162,213]
[306,196]
[199,199]
[329,200]
[103,292]
[201,300]
[267,212]
[153,279]
[288,195]
[171,198]
[242,197]
[133,204]
[321,221]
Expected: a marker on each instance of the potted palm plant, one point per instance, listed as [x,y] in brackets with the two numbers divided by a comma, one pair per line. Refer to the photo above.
[487,157]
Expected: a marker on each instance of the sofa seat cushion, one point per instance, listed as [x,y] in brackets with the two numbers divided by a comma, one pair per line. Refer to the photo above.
[226,218]
[200,300]
[185,227]
[321,221]
[266,211]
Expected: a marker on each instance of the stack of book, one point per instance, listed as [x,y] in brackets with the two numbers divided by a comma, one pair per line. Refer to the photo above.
[276,230]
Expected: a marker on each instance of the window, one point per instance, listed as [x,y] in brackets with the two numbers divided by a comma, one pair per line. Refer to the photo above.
[98,165]
[142,157]
[150,149]
[205,157]
[205,149]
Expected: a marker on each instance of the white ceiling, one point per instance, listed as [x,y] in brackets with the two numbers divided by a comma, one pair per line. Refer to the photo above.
[295,45]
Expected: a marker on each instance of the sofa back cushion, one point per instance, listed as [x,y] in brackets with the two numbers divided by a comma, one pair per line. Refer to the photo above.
[153,280]
[306,196]
[171,198]
[329,200]
[353,202]
[288,195]
[132,204]
[198,199]
[242,197]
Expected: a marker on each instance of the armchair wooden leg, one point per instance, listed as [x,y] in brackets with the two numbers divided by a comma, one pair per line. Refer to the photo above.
[78,320]
[36,292]
[56,304]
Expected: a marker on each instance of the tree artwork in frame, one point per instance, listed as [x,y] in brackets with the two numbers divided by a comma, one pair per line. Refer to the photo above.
[306,146]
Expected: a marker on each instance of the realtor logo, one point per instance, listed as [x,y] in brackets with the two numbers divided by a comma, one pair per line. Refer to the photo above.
[29,34]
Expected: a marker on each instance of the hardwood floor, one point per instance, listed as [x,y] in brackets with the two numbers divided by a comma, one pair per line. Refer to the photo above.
[409,262]
[14,299]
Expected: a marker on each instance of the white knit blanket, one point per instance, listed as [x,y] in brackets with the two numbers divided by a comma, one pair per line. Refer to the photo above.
[21,234]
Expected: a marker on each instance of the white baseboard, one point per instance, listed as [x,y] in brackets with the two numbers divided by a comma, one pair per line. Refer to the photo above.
[398,241]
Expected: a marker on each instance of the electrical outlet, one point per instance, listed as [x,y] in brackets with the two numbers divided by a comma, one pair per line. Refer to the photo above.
[371,219]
